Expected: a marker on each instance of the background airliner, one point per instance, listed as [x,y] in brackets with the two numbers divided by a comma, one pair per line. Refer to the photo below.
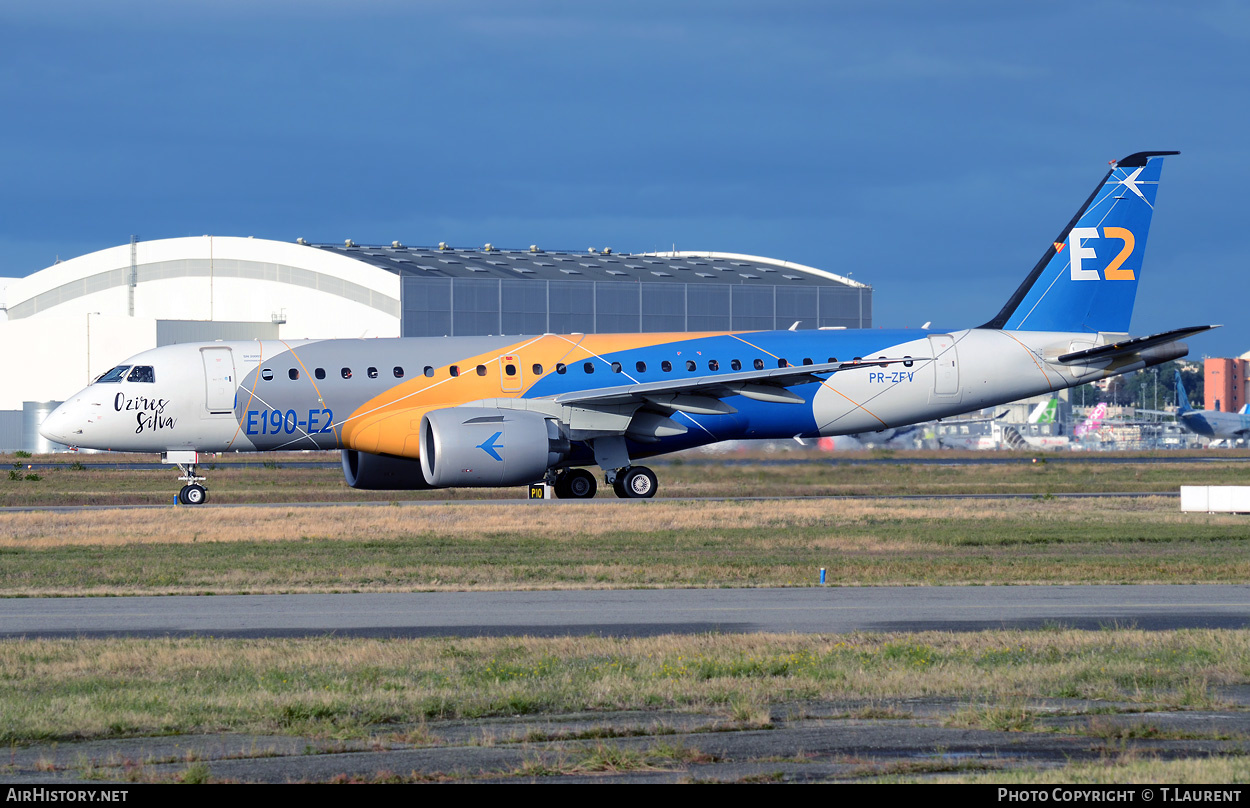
[503,411]
[1229,426]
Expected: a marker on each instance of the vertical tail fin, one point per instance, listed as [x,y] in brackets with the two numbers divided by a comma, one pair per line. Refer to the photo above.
[1044,413]
[1087,279]
[1182,400]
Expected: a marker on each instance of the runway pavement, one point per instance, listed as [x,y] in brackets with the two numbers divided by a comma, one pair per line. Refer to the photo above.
[634,612]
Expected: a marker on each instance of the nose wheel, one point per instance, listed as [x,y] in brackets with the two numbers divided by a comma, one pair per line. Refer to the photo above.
[192,493]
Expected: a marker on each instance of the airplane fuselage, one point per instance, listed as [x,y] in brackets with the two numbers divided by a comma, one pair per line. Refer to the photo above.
[362,394]
[1217,425]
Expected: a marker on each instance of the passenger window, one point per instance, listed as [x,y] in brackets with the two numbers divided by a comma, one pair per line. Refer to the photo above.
[481,370]
[666,366]
[589,367]
[429,372]
[690,365]
[759,364]
[142,373]
[320,373]
[735,365]
[372,373]
[561,368]
[712,364]
[832,359]
[114,375]
[454,370]
[807,360]
[781,363]
[509,369]
[346,373]
[266,374]
[616,367]
[293,374]
[538,370]
[398,371]
[907,362]
[642,367]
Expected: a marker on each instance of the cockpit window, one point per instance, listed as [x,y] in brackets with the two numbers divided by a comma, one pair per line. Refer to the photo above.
[142,373]
[114,375]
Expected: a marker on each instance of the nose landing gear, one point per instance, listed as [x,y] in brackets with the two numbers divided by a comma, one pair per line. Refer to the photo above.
[192,493]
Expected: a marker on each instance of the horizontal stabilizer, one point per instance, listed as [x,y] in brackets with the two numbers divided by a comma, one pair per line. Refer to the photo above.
[1130,346]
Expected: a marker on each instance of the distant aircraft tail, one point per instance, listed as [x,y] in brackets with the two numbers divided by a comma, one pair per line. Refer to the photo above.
[1182,400]
[1092,421]
[1044,413]
[1087,279]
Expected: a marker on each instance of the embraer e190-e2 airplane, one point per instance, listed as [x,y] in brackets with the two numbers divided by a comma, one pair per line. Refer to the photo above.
[504,411]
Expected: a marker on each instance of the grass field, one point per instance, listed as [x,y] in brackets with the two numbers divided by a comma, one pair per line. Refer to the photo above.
[289,478]
[384,548]
[361,688]
[340,694]
[392,546]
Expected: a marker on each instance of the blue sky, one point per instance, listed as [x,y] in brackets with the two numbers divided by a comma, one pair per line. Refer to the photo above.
[929,149]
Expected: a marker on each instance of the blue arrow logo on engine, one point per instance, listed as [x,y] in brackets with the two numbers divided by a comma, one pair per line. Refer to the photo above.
[489,446]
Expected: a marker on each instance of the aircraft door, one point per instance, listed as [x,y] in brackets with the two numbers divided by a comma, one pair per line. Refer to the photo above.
[945,366]
[510,374]
[219,385]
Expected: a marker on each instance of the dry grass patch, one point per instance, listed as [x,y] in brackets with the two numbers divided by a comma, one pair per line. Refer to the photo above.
[353,688]
[1129,770]
[41,529]
[614,544]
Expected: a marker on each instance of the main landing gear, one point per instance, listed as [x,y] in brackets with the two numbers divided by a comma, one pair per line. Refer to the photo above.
[627,480]
[192,493]
[576,484]
[634,482]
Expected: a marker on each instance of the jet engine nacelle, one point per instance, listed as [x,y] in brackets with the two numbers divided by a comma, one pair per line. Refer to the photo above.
[378,473]
[485,446]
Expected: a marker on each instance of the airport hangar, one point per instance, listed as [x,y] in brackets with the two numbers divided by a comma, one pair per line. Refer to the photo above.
[63,326]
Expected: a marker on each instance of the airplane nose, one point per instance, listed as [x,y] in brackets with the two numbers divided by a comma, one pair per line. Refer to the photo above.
[56,427]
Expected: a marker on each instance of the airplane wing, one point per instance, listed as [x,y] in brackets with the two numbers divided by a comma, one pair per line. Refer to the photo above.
[702,394]
[1129,346]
